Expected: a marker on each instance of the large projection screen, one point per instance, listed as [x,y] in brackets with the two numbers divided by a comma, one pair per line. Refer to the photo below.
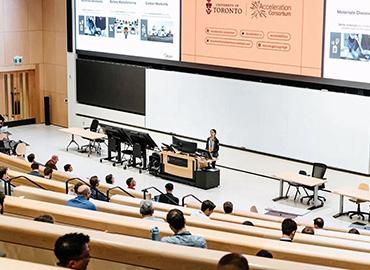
[140,28]
[347,40]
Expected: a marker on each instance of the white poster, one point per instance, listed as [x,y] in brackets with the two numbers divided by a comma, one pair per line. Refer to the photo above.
[347,40]
[140,28]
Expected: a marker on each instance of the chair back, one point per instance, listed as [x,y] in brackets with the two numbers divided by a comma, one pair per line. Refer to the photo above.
[318,170]
[94,125]
[363,186]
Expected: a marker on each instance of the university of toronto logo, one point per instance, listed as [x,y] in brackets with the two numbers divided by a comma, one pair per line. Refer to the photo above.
[257,10]
[209,7]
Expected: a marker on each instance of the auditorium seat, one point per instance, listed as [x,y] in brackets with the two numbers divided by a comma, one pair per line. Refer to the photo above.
[23,265]
[218,240]
[106,250]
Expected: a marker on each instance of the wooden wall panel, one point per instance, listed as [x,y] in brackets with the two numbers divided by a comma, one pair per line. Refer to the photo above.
[36,30]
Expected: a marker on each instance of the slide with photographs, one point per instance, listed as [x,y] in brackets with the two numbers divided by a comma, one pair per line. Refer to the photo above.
[282,36]
[142,28]
[347,40]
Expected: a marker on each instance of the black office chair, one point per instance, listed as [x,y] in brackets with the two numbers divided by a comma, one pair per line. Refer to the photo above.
[93,144]
[318,171]
[297,186]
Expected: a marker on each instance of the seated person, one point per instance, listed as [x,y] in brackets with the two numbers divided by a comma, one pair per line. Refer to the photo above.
[68,168]
[233,261]
[308,230]
[264,253]
[176,220]
[228,207]
[168,197]
[354,231]
[248,223]
[289,228]
[48,173]
[318,223]
[52,163]
[2,198]
[74,189]
[35,170]
[131,183]
[147,211]
[205,211]
[82,199]
[95,193]
[72,251]
[109,179]
[31,158]
[44,218]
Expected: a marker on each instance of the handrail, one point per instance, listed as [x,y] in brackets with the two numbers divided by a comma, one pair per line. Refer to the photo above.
[187,196]
[145,191]
[118,187]
[85,183]
[9,181]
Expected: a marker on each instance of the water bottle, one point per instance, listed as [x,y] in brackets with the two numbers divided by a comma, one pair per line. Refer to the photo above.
[155,233]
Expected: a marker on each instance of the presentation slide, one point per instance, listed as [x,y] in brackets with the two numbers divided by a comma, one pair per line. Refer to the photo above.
[142,28]
[282,36]
[347,40]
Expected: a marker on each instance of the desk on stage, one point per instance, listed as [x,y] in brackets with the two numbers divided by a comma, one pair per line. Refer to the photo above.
[189,169]
[305,180]
[356,194]
[82,133]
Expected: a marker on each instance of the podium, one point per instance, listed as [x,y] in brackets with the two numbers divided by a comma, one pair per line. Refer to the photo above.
[189,169]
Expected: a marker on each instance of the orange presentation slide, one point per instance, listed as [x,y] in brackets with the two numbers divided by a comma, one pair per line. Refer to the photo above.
[282,36]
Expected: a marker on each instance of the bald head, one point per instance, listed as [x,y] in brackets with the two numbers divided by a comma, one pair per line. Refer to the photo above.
[84,190]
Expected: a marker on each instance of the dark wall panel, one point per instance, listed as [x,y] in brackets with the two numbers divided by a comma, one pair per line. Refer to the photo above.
[110,85]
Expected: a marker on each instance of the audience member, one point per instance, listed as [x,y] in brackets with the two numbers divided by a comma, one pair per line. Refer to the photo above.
[82,199]
[44,218]
[205,211]
[35,169]
[95,193]
[308,230]
[31,158]
[48,173]
[228,207]
[354,231]
[264,253]
[72,251]
[109,179]
[176,220]
[3,173]
[147,211]
[289,228]
[233,261]
[318,223]
[248,223]
[52,163]
[2,198]
[131,183]
[168,197]
[68,168]
[73,190]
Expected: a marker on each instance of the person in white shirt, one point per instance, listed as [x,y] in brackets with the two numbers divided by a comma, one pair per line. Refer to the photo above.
[147,211]
[205,210]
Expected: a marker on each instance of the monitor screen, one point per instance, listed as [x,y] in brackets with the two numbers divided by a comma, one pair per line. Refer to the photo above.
[184,146]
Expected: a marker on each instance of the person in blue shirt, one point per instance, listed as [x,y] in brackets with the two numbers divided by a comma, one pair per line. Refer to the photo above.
[176,220]
[82,199]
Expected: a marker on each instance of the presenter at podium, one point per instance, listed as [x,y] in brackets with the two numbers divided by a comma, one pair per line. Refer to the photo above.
[213,146]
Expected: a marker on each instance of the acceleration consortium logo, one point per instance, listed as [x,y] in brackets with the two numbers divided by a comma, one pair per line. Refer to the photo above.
[263,10]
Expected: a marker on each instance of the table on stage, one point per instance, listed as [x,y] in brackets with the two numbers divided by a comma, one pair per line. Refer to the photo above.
[300,179]
[93,136]
[353,193]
